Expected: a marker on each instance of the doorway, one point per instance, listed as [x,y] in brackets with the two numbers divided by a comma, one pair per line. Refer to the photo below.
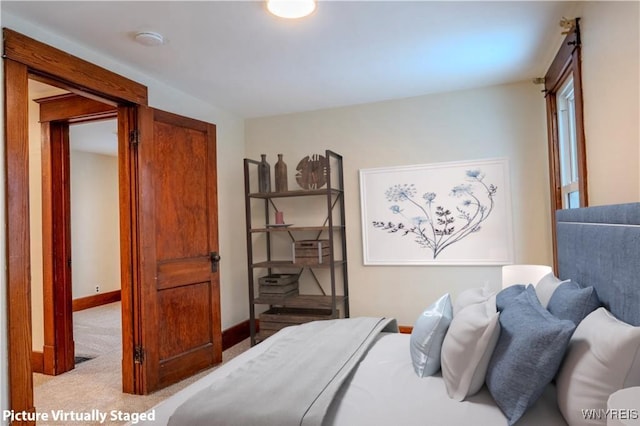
[26,58]
[95,248]
[169,262]
[73,171]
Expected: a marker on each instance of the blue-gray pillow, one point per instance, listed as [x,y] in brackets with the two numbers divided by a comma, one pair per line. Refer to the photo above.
[530,349]
[506,295]
[428,334]
[546,286]
[572,302]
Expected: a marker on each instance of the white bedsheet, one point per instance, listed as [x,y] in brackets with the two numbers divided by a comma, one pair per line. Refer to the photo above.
[384,390]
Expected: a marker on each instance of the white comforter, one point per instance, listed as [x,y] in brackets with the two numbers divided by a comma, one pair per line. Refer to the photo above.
[292,383]
[384,390]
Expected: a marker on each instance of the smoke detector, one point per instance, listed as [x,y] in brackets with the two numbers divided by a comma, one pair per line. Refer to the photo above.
[149,38]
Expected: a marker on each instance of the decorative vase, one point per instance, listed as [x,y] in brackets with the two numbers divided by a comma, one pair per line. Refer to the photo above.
[281,175]
[264,175]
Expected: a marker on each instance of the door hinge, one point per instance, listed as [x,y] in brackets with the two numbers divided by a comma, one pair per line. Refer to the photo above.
[134,137]
[138,354]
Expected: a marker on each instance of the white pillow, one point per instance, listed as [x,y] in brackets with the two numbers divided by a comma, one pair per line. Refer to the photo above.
[470,297]
[603,357]
[546,286]
[467,348]
[427,336]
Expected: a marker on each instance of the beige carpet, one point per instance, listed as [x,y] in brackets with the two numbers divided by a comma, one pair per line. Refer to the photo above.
[97,384]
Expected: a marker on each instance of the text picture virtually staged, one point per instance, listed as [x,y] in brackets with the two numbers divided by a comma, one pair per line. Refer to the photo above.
[347,213]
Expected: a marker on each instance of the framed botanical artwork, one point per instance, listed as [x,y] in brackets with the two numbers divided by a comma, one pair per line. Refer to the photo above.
[454,213]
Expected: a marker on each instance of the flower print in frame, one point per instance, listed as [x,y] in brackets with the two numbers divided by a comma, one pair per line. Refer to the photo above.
[443,213]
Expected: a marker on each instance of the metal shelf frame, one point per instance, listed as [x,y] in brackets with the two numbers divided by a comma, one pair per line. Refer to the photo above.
[336,234]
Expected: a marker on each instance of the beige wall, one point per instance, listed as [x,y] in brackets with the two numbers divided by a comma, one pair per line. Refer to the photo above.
[611,86]
[95,235]
[502,121]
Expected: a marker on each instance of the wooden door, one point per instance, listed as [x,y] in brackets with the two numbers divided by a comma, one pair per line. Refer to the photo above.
[179,292]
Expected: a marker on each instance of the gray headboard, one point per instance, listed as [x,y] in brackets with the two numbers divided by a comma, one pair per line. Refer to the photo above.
[600,247]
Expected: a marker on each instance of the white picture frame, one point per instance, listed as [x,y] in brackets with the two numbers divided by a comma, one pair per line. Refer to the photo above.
[453,213]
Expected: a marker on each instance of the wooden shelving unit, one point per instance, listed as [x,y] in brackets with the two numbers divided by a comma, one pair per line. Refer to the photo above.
[330,227]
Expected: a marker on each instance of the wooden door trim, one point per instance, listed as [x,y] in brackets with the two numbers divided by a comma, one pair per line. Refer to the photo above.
[17,236]
[149,377]
[129,259]
[73,108]
[77,73]
[216,320]
[23,56]
[56,249]
[566,63]
[88,302]
[56,112]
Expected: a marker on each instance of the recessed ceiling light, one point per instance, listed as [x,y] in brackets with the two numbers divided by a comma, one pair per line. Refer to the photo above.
[291,9]
[149,38]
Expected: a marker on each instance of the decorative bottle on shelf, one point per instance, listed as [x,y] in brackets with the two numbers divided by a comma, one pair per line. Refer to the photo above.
[264,175]
[281,175]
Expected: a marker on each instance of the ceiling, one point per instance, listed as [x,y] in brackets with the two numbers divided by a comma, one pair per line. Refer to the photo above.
[236,56]
[98,137]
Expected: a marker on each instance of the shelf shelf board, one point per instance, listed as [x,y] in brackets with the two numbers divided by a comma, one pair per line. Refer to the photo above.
[301,226]
[298,228]
[299,301]
[297,193]
[290,264]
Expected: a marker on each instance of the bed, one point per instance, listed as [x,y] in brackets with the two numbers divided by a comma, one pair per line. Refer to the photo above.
[598,249]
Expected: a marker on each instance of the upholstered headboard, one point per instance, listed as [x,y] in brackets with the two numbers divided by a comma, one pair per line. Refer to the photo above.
[600,247]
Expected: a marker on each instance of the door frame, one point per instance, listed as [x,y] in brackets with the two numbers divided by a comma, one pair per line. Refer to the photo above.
[56,114]
[26,58]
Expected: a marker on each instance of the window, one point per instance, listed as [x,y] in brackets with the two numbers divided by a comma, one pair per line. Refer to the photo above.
[567,145]
[567,158]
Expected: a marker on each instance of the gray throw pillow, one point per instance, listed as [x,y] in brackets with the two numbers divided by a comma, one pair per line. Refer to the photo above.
[530,349]
[572,302]
[471,297]
[428,334]
[603,357]
[467,348]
